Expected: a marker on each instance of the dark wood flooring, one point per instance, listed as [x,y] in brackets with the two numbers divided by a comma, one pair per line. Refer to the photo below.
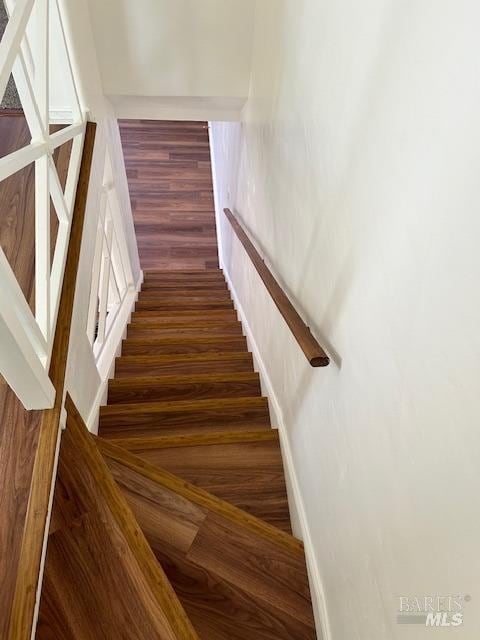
[170,182]
[236,577]
[18,427]
[101,579]
[187,435]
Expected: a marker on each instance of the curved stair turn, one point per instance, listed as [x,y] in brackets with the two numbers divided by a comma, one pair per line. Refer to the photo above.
[186,436]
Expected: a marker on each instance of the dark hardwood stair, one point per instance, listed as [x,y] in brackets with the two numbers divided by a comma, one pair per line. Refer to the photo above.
[178,363]
[237,576]
[159,329]
[172,343]
[199,294]
[183,387]
[186,435]
[189,416]
[184,315]
[101,578]
[183,304]
[254,481]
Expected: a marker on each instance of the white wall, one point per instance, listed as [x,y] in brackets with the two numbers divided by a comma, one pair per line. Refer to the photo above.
[87,387]
[356,167]
[174,48]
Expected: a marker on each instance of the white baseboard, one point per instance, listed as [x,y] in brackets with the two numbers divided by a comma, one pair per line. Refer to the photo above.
[296,504]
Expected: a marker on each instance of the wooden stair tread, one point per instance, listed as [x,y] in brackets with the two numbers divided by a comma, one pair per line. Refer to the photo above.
[153,330]
[182,304]
[127,366]
[234,615]
[190,314]
[190,294]
[243,468]
[261,573]
[188,276]
[173,338]
[185,405]
[153,388]
[194,439]
[185,323]
[185,416]
[101,576]
[168,285]
[196,495]
[183,344]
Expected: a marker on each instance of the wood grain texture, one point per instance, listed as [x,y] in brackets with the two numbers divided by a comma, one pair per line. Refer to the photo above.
[201,468]
[218,362]
[195,439]
[170,183]
[41,480]
[302,334]
[18,442]
[176,315]
[187,416]
[183,344]
[257,589]
[157,329]
[101,578]
[123,463]
[192,303]
[247,472]
[19,429]
[200,294]
[185,387]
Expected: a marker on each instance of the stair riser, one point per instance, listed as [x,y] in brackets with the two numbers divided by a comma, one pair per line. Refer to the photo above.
[181,282]
[213,284]
[172,317]
[190,294]
[193,391]
[126,368]
[180,304]
[158,331]
[188,275]
[143,424]
[133,348]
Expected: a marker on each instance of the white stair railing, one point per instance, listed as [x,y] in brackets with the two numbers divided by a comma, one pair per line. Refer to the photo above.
[113,290]
[32,45]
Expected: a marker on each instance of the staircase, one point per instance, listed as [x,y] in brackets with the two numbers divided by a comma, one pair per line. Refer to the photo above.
[186,435]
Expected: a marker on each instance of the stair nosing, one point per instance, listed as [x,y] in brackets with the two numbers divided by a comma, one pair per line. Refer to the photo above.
[237,376]
[202,339]
[195,439]
[183,405]
[219,356]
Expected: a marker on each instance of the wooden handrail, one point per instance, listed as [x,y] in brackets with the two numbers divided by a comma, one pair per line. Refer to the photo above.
[28,572]
[302,334]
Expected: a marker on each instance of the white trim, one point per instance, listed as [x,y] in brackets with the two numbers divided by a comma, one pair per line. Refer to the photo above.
[100,399]
[106,360]
[297,505]
[218,108]
[216,196]
[61,116]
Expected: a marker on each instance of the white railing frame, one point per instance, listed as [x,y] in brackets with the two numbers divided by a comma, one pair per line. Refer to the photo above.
[26,339]
[113,290]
